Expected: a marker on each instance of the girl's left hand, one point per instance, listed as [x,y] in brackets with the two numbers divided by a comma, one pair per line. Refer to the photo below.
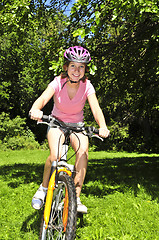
[104,132]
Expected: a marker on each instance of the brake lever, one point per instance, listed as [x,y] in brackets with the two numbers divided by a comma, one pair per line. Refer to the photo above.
[40,122]
[97,136]
[51,121]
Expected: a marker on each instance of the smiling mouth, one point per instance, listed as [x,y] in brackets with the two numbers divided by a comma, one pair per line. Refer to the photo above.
[76,75]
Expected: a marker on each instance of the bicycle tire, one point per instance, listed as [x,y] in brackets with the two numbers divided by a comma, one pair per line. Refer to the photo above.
[63,217]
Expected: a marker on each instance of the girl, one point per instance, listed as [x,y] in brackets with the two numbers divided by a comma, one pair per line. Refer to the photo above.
[70,92]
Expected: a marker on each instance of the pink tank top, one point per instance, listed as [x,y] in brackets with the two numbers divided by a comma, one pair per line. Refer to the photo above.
[66,109]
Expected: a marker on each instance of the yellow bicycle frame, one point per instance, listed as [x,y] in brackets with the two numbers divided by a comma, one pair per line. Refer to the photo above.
[49,196]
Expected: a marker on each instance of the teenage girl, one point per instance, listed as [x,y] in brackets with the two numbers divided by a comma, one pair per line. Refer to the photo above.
[70,91]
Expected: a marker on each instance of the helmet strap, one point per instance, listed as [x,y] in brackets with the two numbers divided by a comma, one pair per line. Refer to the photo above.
[74,81]
[69,80]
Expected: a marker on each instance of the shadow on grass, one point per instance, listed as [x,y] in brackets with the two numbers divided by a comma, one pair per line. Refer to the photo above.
[17,174]
[104,176]
[20,174]
[122,174]
[33,222]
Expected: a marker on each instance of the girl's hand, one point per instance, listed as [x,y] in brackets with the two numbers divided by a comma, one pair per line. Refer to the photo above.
[35,114]
[104,132]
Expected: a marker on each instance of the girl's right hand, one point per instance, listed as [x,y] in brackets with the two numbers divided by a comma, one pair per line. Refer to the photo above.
[36,114]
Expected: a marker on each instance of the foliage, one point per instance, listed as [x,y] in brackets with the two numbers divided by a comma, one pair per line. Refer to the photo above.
[122,37]
[10,128]
[14,134]
[29,40]
[19,142]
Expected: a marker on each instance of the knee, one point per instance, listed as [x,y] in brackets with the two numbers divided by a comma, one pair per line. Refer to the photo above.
[51,158]
[82,153]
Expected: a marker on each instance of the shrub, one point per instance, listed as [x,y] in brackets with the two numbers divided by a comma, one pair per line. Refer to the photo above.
[14,134]
[19,142]
[11,127]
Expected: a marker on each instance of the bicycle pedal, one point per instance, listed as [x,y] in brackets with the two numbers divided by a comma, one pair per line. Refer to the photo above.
[79,214]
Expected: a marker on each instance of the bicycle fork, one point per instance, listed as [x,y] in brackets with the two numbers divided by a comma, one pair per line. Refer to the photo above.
[49,196]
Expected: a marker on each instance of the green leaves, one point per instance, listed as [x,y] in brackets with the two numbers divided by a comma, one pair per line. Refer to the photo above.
[79,32]
[122,37]
[57,65]
[97,17]
[92,69]
[29,40]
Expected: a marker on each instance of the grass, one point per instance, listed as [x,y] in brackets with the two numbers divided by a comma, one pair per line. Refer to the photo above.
[121,192]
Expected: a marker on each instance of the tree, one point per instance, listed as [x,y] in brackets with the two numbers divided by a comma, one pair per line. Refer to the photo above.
[123,38]
[30,38]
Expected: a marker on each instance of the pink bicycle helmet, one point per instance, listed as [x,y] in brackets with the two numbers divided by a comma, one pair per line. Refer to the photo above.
[77,54]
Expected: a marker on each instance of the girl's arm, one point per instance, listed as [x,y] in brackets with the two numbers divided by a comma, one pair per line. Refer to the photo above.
[35,110]
[98,115]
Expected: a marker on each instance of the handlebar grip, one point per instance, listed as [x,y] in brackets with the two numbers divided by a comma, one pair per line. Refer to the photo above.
[92,129]
[95,130]
[45,118]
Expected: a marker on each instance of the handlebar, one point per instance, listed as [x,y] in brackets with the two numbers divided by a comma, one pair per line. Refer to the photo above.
[89,131]
[49,120]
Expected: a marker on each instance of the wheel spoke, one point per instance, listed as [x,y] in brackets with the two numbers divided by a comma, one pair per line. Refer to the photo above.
[59,226]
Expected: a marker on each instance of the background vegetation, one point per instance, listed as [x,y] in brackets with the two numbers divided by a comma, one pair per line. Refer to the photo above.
[121,190]
[123,38]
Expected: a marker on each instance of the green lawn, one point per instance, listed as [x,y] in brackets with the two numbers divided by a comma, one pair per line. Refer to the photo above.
[121,192]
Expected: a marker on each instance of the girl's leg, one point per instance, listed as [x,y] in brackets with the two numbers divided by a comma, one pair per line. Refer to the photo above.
[54,134]
[81,159]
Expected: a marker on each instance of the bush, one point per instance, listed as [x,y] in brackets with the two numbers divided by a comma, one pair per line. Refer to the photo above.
[15,135]
[19,142]
[11,127]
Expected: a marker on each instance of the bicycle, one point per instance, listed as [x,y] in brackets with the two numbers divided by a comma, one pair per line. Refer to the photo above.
[60,211]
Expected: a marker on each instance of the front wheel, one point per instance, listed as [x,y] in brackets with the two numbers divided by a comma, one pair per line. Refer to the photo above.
[62,223]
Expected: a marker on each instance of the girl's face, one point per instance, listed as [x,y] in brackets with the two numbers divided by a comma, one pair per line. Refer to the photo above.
[76,70]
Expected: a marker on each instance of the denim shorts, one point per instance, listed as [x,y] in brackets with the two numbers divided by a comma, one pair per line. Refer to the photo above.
[79,124]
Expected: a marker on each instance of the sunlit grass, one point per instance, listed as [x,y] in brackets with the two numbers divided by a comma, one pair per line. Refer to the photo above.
[121,192]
